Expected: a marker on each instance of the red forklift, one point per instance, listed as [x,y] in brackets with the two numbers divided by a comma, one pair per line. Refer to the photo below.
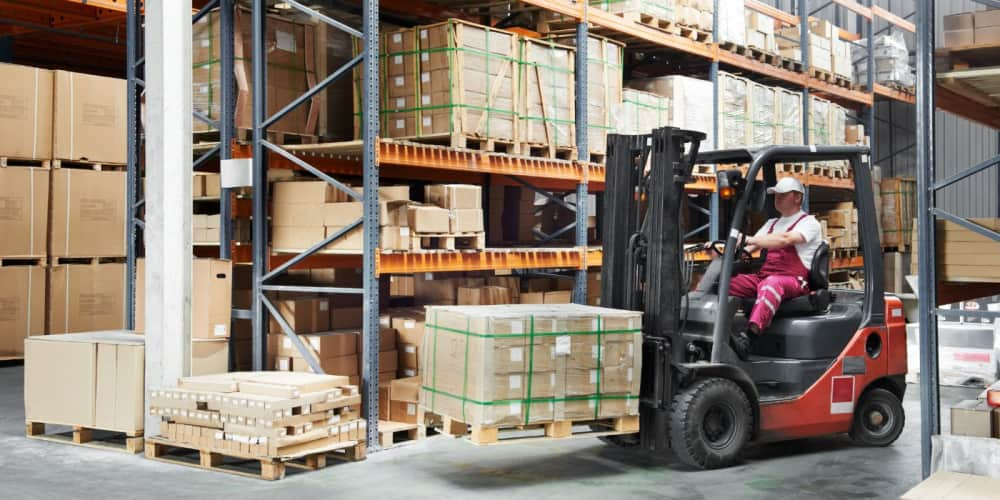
[832,361]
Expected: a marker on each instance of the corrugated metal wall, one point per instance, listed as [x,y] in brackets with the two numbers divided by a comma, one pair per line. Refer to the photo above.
[959,143]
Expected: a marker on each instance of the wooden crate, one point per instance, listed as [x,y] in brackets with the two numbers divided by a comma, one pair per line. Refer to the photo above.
[899,205]
[546,102]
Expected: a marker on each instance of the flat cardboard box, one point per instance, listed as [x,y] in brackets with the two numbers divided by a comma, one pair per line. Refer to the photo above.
[964,21]
[391,213]
[346,317]
[987,18]
[341,365]
[89,118]
[322,345]
[466,220]
[954,486]
[209,356]
[558,297]
[401,286]
[972,417]
[68,382]
[306,192]
[428,219]
[22,307]
[211,288]
[386,339]
[532,298]
[959,38]
[988,35]
[25,112]
[88,213]
[86,298]
[296,237]
[24,209]
[389,193]
[454,195]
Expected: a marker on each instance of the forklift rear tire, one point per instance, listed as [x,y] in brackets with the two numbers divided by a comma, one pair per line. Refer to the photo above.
[878,419]
[710,422]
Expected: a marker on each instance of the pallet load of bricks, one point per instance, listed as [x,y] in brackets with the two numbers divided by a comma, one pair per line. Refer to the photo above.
[275,418]
[545,366]
[450,218]
[62,192]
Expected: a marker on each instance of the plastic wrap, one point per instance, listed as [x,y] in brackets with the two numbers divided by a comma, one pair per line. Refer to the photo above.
[790,121]
[689,100]
[763,115]
[733,110]
[891,60]
[517,364]
[819,121]
[965,454]
[660,9]
[732,23]
[604,86]
[640,112]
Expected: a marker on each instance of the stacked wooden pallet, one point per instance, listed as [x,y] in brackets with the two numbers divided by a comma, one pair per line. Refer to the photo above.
[272,417]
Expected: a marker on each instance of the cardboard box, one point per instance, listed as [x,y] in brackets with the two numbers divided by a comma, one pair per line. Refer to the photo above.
[964,21]
[88,118]
[341,365]
[304,315]
[466,220]
[25,112]
[959,38]
[389,193]
[306,192]
[89,379]
[86,298]
[22,307]
[409,357]
[405,389]
[403,411]
[88,213]
[953,485]
[558,297]
[401,286]
[209,356]
[391,213]
[532,298]
[324,345]
[987,18]
[24,208]
[409,324]
[972,417]
[386,339]
[454,196]
[988,35]
[429,219]
[211,296]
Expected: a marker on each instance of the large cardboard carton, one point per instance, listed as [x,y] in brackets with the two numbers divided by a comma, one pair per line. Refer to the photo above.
[88,214]
[25,112]
[409,325]
[972,418]
[466,220]
[212,294]
[88,118]
[530,363]
[454,196]
[323,345]
[429,219]
[303,315]
[24,210]
[209,356]
[22,307]
[86,298]
[88,379]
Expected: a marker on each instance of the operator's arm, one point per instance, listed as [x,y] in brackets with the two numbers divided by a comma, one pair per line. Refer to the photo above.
[777,240]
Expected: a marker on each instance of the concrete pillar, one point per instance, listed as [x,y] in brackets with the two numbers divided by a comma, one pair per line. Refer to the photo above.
[168,194]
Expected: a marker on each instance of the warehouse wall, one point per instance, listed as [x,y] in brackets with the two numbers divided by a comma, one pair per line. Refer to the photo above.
[959,142]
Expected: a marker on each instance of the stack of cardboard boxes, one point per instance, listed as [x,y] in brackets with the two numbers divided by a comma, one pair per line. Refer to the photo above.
[760,32]
[841,226]
[546,109]
[70,218]
[972,28]
[259,414]
[978,417]
[453,209]
[827,52]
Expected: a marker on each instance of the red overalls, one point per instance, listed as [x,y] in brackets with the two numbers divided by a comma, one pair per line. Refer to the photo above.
[783,276]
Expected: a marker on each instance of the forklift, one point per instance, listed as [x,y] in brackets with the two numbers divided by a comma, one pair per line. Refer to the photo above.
[832,361]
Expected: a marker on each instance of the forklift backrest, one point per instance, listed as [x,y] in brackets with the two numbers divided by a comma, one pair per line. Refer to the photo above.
[819,272]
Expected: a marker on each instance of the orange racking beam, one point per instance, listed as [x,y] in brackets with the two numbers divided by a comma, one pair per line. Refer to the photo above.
[855,7]
[894,19]
[892,93]
[960,105]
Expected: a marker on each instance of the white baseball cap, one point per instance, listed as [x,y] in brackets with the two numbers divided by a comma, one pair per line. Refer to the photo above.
[787,185]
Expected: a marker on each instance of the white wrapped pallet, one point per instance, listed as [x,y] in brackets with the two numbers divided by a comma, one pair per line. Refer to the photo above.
[763,115]
[819,121]
[734,130]
[732,24]
[790,117]
[641,112]
[688,107]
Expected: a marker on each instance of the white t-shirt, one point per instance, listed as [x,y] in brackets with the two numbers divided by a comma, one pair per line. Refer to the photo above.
[809,228]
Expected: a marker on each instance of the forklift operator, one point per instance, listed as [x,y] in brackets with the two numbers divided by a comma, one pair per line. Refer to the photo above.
[791,242]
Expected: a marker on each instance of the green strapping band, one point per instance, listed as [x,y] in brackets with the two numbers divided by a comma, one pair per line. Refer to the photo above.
[593,397]
[597,404]
[434,365]
[531,365]
[465,375]
[535,334]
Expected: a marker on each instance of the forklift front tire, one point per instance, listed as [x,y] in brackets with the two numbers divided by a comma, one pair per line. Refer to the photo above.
[710,422]
[878,419]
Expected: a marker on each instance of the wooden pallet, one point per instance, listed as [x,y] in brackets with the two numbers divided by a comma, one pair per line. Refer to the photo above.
[89,165]
[443,241]
[462,141]
[695,33]
[734,48]
[559,429]
[791,64]
[59,261]
[441,424]
[22,261]
[128,442]
[397,433]
[599,158]
[764,56]
[270,468]
[819,170]
[9,161]
[702,170]
[790,168]
[546,151]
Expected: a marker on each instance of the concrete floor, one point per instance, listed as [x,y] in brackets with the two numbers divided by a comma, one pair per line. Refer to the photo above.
[448,468]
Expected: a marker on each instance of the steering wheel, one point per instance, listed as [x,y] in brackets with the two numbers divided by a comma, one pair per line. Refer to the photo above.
[719,247]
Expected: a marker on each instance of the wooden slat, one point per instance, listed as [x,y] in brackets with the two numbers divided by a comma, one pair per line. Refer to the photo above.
[855,7]
[894,19]
[767,10]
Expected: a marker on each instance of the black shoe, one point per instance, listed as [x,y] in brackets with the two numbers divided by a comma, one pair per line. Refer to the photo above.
[741,343]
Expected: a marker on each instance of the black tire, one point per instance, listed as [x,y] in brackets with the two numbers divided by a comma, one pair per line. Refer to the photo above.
[878,419]
[710,422]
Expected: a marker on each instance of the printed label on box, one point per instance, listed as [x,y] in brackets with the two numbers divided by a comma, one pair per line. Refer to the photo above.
[285,41]
[516,355]
[563,345]
[515,381]
[219,331]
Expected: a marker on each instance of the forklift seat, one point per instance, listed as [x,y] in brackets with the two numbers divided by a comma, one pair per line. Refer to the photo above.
[817,301]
